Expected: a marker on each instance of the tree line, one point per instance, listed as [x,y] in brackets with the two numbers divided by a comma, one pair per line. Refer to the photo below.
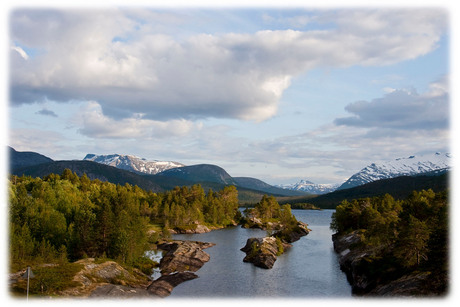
[66,217]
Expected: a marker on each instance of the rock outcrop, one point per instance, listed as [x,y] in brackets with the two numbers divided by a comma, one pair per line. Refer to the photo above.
[107,279]
[262,252]
[355,261]
[293,234]
[198,229]
[183,256]
[164,285]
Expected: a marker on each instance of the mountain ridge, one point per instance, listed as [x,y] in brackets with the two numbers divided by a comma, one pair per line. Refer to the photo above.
[410,166]
[208,175]
[398,187]
[133,163]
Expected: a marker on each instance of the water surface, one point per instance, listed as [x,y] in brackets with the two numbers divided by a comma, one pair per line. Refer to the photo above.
[309,269]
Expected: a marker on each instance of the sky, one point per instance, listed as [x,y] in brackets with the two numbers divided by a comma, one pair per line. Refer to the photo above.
[276,93]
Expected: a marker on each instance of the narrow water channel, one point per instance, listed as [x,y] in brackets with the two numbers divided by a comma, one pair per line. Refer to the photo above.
[309,269]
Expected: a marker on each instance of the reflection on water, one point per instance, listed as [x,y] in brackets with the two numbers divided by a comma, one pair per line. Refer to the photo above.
[155,256]
[309,269]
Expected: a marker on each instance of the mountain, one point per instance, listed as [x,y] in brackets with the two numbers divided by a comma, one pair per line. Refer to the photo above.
[19,159]
[398,187]
[200,173]
[259,185]
[133,163]
[310,187]
[93,170]
[410,166]
[250,190]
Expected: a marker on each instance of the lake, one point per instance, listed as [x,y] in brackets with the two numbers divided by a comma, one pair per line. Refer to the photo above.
[309,269]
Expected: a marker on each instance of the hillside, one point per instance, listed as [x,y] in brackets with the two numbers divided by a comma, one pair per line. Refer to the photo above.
[259,185]
[200,173]
[93,170]
[19,159]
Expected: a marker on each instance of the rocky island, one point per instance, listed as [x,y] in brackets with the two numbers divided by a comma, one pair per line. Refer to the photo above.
[282,229]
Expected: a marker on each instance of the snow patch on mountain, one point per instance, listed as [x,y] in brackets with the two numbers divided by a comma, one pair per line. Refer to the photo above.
[410,166]
[310,187]
[133,163]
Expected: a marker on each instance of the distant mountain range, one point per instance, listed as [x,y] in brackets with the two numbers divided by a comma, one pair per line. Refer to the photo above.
[310,187]
[133,163]
[398,187]
[375,179]
[114,168]
[411,166]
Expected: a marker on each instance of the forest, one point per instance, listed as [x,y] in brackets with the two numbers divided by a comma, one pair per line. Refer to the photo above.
[65,217]
[407,235]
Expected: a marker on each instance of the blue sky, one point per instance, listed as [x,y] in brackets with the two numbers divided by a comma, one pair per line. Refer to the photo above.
[276,94]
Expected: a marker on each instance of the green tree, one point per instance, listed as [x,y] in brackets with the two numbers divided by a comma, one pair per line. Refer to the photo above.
[412,245]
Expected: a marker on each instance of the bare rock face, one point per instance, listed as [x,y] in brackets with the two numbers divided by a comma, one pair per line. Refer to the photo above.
[262,252]
[183,256]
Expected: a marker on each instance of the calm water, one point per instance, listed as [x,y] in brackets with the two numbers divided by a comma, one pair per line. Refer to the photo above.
[309,269]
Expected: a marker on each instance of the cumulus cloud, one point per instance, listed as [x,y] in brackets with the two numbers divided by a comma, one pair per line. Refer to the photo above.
[131,65]
[402,109]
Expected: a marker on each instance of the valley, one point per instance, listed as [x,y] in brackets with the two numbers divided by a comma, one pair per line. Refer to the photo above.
[62,212]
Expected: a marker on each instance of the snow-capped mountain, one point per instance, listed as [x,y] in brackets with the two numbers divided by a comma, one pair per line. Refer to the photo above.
[410,166]
[133,163]
[310,187]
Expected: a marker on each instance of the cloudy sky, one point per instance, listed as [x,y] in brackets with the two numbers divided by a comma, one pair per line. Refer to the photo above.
[280,94]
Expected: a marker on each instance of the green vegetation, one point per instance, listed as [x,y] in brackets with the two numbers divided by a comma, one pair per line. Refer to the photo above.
[65,217]
[268,214]
[49,279]
[407,235]
[304,206]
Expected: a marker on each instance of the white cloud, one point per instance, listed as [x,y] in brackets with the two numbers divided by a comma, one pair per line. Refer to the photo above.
[133,66]
[93,123]
[21,52]
[402,109]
